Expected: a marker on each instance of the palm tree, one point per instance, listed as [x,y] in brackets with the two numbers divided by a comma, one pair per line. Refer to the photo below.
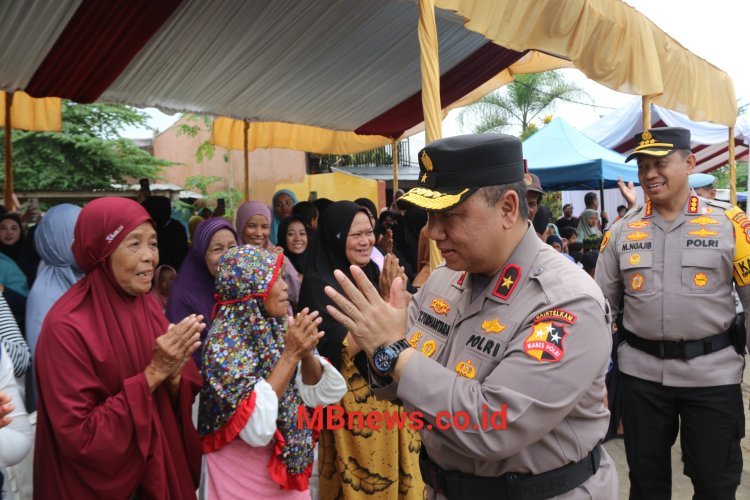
[519,103]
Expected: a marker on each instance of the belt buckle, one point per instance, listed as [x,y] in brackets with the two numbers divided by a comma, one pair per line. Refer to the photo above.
[672,349]
[692,349]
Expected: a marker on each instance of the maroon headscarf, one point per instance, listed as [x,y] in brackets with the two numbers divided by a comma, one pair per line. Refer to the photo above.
[100,432]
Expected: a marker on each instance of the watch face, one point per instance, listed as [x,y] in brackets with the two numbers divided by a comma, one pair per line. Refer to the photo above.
[383,359]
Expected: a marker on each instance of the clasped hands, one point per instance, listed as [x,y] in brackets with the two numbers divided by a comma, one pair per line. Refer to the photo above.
[302,335]
[173,350]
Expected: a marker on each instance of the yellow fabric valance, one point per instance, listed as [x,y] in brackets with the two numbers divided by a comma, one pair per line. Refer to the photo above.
[611,43]
[28,113]
[228,133]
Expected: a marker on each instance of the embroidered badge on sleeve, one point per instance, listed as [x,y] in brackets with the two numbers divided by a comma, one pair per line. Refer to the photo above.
[605,240]
[545,343]
[741,226]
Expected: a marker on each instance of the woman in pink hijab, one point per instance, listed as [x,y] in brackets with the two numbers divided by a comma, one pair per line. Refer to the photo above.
[163,279]
[253,224]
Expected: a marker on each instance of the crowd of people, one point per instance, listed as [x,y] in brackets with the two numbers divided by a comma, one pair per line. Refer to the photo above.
[162,359]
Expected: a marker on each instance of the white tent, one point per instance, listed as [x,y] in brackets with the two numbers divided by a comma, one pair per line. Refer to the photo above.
[710,141]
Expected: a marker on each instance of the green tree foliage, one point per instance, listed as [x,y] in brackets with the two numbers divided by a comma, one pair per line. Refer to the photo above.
[233,197]
[197,123]
[722,176]
[519,103]
[87,154]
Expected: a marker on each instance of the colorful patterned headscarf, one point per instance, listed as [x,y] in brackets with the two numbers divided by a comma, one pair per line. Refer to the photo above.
[242,348]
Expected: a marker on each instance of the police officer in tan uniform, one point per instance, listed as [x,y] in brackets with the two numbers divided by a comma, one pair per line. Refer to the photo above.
[668,268]
[503,351]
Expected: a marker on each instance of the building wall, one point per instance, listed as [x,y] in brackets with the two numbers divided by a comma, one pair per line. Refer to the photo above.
[268,167]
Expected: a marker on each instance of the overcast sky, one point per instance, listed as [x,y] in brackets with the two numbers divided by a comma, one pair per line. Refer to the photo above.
[716,30]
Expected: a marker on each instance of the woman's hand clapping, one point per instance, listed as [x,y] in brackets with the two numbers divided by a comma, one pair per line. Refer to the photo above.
[6,407]
[302,334]
[173,350]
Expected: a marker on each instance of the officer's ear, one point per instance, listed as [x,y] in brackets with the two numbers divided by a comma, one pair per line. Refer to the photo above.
[509,206]
[689,158]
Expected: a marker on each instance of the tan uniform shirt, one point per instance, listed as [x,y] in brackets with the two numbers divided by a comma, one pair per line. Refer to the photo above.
[536,340]
[676,282]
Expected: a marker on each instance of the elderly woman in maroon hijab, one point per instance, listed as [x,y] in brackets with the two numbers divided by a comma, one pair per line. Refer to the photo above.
[116,381]
[254,224]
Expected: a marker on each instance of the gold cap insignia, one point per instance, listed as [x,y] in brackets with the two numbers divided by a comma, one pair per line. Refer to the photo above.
[492,326]
[426,161]
[647,135]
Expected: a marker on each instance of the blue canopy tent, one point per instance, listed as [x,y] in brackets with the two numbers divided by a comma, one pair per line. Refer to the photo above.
[566,159]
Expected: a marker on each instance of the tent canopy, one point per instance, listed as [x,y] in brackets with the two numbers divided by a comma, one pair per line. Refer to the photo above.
[710,142]
[566,159]
[346,66]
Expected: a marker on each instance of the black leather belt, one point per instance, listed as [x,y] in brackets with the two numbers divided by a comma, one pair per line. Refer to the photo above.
[690,349]
[511,486]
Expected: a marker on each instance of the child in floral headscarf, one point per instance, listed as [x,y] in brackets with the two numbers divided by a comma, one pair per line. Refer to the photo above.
[250,401]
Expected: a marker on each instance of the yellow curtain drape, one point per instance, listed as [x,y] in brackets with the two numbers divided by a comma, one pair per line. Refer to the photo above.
[229,133]
[611,43]
[29,113]
[430,65]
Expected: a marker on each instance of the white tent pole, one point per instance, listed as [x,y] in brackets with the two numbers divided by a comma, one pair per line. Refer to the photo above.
[646,109]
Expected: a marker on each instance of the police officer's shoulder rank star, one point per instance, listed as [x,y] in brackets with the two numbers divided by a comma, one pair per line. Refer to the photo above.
[507,282]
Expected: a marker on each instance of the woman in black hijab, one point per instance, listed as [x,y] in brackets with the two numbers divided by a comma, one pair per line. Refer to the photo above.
[15,244]
[298,259]
[171,235]
[345,237]
[406,238]
[328,252]
[295,239]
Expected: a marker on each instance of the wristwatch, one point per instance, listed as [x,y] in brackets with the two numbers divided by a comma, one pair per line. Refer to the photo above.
[385,357]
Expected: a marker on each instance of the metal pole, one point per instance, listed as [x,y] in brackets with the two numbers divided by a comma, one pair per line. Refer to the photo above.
[646,110]
[732,169]
[601,198]
[8,184]
[395,166]
[247,160]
